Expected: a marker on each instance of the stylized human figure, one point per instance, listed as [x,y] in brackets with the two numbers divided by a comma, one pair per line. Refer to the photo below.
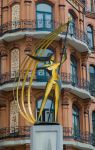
[54,81]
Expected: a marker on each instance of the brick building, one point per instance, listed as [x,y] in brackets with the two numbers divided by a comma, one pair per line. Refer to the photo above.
[22,24]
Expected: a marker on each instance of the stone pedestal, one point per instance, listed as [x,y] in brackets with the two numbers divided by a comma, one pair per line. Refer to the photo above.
[46,137]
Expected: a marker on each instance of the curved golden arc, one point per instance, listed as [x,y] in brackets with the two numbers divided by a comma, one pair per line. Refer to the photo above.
[22,97]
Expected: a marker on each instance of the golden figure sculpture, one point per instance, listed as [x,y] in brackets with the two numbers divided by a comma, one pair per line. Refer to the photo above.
[53,81]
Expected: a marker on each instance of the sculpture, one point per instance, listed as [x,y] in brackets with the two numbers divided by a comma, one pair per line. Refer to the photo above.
[52,66]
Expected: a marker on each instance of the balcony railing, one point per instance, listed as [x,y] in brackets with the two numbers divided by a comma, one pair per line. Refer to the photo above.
[14,132]
[66,78]
[32,25]
[28,25]
[78,135]
[68,134]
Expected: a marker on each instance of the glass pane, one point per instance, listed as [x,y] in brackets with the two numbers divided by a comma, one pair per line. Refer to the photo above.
[92,74]
[49,116]
[47,106]
[72,24]
[93,121]
[42,74]
[76,122]
[40,20]
[71,28]
[48,112]
[44,8]
[48,21]
[92,69]
[90,35]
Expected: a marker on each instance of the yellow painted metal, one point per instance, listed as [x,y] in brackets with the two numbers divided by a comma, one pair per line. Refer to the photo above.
[41,47]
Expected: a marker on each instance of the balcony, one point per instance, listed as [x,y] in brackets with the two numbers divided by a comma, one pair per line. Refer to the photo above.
[19,29]
[11,31]
[69,135]
[77,38]
[14,136]
[80,87]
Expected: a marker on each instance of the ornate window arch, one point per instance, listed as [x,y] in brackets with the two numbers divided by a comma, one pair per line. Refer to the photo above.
[14,62]
[15,16]
[44,16]
[90,36]
[48,112]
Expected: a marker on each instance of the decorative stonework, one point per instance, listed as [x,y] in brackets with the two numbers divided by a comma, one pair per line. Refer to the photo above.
[65,101]
[86,108]
[13,116]
[3,49]
[27,1]
[14,45]
[13,2]
[29,43]
[14,62]
[84,57]
[15,16]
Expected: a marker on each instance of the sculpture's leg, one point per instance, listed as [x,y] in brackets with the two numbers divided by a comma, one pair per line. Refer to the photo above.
[47,91]
[57,95]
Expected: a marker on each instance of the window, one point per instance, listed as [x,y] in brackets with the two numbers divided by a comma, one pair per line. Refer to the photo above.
[92,80]
[74,77]
[72,24]
[14,62]
[93,121]
[90,36]
[48,112]
[42,74]
[92,74]
[76,122]
[44,16]
[15,16]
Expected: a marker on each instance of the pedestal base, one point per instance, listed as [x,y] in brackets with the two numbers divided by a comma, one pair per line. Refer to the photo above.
[46,137]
